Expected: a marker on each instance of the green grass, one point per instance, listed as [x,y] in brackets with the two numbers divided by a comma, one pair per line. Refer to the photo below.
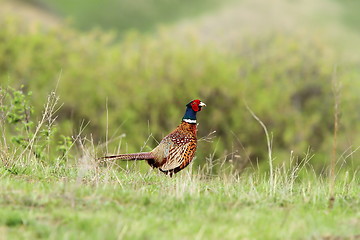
[108,203]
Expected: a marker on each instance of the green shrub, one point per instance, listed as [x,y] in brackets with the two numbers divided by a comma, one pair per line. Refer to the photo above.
[21,133]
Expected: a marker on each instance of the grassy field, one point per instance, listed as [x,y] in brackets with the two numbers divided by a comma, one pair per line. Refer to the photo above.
[90,202]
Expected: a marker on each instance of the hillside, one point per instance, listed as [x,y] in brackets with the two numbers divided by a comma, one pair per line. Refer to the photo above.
[321,20]
[29,12]
[225,24]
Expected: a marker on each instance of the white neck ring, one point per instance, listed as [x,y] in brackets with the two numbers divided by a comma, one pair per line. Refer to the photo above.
[189,120]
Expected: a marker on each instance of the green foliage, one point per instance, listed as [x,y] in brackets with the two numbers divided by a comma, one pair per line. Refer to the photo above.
[19,110]
[18,125]
[139,86]
[64,145]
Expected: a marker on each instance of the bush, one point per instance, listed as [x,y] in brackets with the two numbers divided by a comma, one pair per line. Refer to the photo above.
[23,134]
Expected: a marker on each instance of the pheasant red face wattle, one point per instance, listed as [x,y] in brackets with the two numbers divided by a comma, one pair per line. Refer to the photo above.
[196,105]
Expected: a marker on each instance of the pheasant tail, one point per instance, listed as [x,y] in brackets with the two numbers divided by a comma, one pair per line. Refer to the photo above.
[132,156]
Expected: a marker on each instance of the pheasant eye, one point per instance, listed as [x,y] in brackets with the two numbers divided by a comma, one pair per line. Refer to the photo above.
[195,102]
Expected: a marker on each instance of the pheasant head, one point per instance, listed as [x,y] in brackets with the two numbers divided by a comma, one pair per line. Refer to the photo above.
[191,109]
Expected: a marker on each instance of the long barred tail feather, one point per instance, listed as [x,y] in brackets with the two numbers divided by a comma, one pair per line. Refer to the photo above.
[130,156]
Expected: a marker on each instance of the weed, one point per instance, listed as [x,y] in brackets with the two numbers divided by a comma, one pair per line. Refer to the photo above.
[26,136]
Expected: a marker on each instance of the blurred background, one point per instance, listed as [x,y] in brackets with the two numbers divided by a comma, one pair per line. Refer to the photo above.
[130,66]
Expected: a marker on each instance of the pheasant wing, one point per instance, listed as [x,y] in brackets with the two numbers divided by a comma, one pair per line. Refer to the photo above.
[180,151]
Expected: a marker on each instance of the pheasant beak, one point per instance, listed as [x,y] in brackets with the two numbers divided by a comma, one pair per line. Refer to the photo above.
[202,104]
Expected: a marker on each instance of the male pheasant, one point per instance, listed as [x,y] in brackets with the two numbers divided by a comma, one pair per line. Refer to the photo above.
[176,150]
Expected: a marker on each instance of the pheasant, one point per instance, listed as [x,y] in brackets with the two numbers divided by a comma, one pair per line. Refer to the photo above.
[177,149]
